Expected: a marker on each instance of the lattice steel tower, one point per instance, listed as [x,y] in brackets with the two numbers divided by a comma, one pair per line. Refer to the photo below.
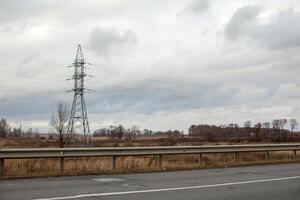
[78,124]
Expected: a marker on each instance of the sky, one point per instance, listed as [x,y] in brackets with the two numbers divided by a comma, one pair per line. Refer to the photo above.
[159,65]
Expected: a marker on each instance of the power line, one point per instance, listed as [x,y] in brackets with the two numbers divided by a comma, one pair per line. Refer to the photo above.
[180,89]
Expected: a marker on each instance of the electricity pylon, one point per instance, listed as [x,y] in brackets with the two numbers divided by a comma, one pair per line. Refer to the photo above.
[78,124]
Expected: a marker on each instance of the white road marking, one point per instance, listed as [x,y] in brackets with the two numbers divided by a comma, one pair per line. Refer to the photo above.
[130,185]
[107,180]
[170,189]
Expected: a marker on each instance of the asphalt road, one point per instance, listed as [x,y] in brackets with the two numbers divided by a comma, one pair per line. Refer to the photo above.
[269,182]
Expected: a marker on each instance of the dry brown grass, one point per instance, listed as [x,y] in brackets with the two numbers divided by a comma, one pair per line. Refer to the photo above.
[103,142]
[26,143]
[129,164]
[126,164]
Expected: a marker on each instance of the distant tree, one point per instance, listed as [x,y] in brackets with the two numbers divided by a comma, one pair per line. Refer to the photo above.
[266,125]
[247,124]
[111,132]
[147,132]
[192,130]
[4,128]
[172,134]
[282,123]
[120,132]
[117,132]
[134,131]
[29,133]
[293,124]
[16,132]
[59,121]
[276,125]
[230,125]
[223,126]
[102,132]
[278,128]
[257,132]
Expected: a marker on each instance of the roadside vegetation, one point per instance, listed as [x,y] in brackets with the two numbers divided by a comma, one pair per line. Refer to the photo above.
[119,136]
[130,164]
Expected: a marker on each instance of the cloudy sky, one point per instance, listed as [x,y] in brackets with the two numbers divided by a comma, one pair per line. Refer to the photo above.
[156,64]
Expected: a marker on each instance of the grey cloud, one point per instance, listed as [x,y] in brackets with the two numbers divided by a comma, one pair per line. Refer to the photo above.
[239,23]
[281,32]
[104,41]
[28,106]
[13,9]
[195,7]
[278,32]
[146,101]
[151,97]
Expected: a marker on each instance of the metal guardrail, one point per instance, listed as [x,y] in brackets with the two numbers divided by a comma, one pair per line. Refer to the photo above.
[114,152]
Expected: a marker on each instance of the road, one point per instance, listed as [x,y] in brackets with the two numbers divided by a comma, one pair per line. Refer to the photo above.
[269,182]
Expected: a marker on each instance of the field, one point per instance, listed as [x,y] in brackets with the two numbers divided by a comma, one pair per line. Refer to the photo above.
[108,142]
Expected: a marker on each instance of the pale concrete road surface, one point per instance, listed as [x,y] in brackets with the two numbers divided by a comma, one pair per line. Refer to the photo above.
[269,182]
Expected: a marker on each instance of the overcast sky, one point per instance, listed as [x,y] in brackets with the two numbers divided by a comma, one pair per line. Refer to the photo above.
[157,64]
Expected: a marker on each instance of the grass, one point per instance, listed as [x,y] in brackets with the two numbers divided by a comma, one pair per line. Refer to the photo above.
[126,164]
[131,164]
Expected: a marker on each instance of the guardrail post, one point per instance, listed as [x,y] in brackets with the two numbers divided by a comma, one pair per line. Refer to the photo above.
[1,166]
[295,154]
[200,158]
[62,165]
[114,163]
[235,156]
[159,160]
[267,155]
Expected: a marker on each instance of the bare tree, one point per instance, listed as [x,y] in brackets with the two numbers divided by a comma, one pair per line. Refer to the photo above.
[276,124]
[120,130]
[282,123]
[135,131]
[4,128]
[257,132]
[59,121]
[266,125]
[293,124]
[278,127]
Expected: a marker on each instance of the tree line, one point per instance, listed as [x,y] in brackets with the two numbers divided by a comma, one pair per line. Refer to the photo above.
[120,132]
[6,130]
[277,130]
[274,131]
